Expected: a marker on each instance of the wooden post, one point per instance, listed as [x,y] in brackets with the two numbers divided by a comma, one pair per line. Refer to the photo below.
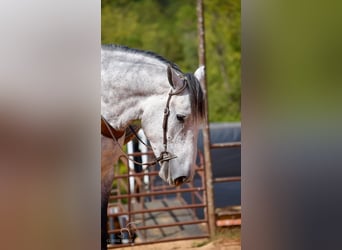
[206,132]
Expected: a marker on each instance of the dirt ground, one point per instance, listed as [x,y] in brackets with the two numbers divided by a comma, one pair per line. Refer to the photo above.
[225,239]
[191,245]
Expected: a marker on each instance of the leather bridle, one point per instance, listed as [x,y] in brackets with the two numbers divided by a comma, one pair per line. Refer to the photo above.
[164,155]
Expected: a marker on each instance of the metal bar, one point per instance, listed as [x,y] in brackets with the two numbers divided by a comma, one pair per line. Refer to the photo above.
[155,193]
[194,193]
[199,197]
[226,145]
[158,210]
[181,223]
[206,132]
[226,179]
[142,174]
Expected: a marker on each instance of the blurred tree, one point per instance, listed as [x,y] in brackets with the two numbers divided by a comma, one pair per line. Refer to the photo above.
[169,28]
[223,59]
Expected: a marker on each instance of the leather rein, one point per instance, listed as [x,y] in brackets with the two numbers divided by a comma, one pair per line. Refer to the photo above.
[164,155]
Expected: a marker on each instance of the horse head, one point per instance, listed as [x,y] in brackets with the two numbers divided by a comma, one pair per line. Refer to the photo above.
[171,123]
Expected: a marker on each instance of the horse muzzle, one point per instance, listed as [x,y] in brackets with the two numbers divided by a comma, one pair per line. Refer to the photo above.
[166,172]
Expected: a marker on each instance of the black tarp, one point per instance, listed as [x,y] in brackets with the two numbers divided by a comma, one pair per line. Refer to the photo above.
[226,162]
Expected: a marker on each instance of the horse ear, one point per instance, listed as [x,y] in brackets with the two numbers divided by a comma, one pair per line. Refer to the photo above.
[175,80]
[199,74]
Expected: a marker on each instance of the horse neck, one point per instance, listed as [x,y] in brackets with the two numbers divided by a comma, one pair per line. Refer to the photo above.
[124,97]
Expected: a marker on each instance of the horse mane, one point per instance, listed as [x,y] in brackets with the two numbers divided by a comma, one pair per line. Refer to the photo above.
[142,52]
[194,87]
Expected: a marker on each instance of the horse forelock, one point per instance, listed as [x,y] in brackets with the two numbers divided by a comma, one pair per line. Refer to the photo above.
[196,96]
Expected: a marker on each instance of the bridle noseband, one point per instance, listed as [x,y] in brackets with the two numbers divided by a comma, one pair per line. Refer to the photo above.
[164,155]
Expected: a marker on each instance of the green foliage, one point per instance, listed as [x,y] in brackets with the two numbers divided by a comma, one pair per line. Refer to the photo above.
[169,28]
[223,59]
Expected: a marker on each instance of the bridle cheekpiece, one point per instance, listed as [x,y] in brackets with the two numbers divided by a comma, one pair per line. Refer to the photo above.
[165,155]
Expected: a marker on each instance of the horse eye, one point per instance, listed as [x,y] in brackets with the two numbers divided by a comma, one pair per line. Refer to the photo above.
[180,117]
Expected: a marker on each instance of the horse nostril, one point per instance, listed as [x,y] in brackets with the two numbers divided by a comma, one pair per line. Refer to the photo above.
[180,180]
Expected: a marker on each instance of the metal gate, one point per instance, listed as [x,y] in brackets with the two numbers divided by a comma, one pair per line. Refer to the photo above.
[143,209]
[148,211]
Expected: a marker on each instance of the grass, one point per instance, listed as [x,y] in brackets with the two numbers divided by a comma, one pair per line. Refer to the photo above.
[201,243]
[232,233]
